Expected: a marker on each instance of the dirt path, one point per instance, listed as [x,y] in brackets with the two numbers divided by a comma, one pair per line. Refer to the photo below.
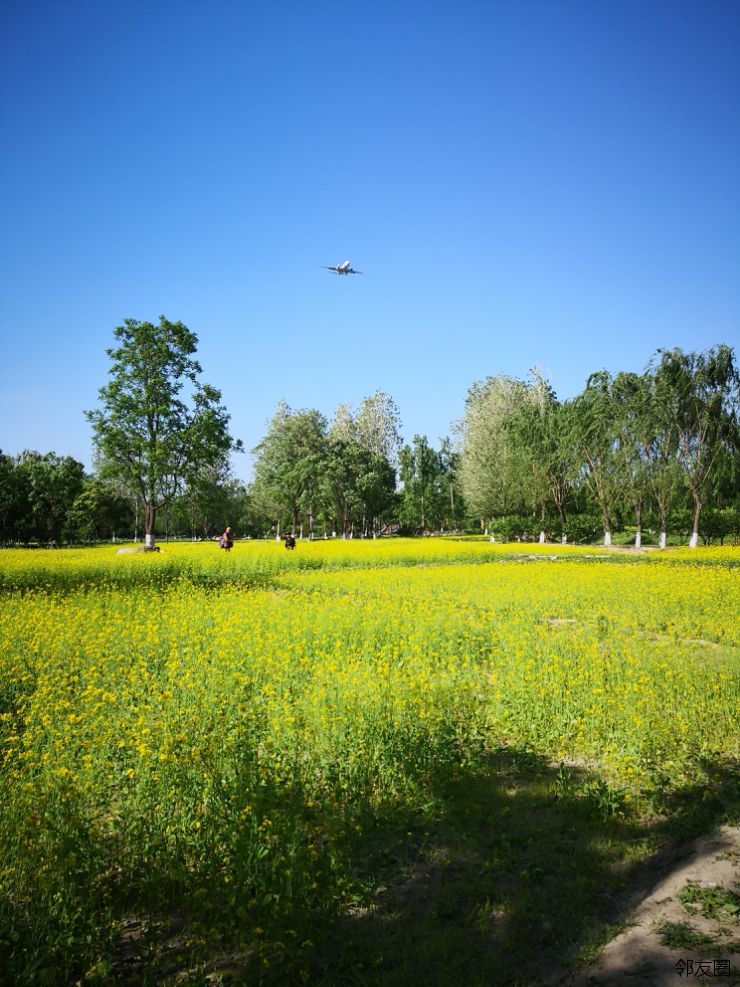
[700,942]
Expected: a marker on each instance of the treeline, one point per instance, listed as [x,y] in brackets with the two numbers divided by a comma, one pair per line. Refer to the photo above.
[47,499]
[654,451]
[658,449]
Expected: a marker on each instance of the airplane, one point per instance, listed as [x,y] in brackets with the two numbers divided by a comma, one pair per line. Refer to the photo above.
[342,268]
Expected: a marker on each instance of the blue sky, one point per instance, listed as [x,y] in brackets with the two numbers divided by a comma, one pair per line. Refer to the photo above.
[531,182]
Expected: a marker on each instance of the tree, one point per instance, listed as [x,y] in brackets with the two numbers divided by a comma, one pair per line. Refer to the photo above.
[159,426]
[290,463]
[49,485]
[378,426]
[541,429]
[700,394]
[10,501]
[635,428]
[449,459]
[99,511]
[595,440]
[423,499]
[490,463]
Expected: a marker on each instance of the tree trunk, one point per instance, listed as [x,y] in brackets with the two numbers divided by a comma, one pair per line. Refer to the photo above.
[638,521]
[694,540]
[150,516]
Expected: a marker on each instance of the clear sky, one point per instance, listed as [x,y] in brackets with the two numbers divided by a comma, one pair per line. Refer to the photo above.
[528,182]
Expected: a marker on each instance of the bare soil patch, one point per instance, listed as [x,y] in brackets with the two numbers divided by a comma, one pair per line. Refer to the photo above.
[669,940]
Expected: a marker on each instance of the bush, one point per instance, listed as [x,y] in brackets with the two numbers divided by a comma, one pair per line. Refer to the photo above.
[583,528]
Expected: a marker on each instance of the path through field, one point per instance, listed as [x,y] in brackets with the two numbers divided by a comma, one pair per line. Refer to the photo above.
[668,941]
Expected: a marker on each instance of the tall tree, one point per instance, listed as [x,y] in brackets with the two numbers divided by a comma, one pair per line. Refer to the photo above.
[10,500]
[541,429]
[378,426]
[490,463]
[421,474]
[449,459]
[635,429]
[290,463]
[99,511]
[701,395]
[158,425]
[50,484]
[595,441]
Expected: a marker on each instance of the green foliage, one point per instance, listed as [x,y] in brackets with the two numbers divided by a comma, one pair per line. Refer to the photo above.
[423,500]
[290,463]
[42,491]
[99,511]
[151,434]
[700,397]
[712,902]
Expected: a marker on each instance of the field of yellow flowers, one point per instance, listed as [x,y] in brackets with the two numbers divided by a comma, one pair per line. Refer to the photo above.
[198,737]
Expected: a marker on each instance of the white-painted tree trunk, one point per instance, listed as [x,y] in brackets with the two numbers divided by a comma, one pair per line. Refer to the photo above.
[694,540]
[564,540]
[148,541]
[638,540]
[662,540]
[492,539]
[542,537]
[607,539]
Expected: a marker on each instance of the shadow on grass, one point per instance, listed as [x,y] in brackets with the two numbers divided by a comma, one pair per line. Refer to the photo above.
[513,875]
[508,872]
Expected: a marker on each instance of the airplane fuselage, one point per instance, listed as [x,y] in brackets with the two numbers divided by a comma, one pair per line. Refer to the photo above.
[343,268]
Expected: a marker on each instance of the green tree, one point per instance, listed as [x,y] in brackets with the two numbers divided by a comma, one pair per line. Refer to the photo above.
[10,501]
[377,426]
[454,510]
[49,485]
[595,441]
[158,425]
[422,501]
[290,464]
[700,392]
[491,457]
[360,480]
[635,429]
[99,511]
[541,429]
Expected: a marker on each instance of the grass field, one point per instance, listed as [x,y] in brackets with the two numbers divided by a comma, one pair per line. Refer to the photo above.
[358,763]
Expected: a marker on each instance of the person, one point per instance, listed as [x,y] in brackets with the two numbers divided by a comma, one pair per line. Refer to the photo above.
[227,539]
[289,541]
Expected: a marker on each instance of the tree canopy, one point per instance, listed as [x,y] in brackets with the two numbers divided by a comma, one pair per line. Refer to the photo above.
[158,425]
